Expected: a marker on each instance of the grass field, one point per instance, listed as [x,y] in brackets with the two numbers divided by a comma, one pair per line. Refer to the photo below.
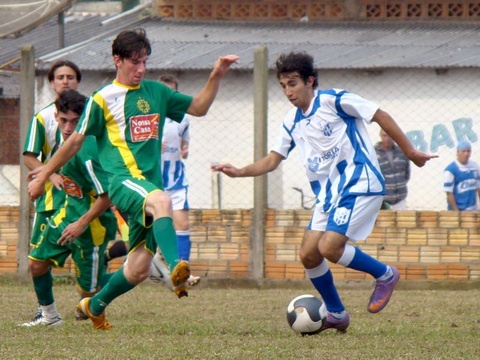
[232,322]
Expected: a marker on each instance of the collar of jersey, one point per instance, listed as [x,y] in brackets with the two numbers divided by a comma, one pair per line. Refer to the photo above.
[126,86]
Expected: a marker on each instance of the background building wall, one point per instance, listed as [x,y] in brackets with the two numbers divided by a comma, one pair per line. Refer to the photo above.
[435,109]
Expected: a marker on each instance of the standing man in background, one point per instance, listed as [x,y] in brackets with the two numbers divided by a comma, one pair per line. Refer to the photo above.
[395,168]
[43,139]
[81,228]
[461,180]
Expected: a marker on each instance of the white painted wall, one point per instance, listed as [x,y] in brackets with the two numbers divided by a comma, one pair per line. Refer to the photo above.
[419,100]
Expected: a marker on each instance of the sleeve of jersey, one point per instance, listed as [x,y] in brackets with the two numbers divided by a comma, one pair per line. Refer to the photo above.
[35,139]
[177,105]
[186,129]
[285,143]
[95,171]
[448,181]
[92,121]
[357,107]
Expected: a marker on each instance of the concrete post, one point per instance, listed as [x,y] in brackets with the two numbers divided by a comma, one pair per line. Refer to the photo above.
[27,106]
[260,85]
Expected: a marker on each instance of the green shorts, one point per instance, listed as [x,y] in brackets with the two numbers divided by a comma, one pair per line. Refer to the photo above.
[39,225]
[88,258]
[129,196]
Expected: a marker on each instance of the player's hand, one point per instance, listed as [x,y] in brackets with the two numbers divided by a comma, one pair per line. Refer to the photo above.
[71,232]
[227,169]
[164,145]
[34,173]
[223,64]
[420,158]
[36,188]
[184,152]
[57,181]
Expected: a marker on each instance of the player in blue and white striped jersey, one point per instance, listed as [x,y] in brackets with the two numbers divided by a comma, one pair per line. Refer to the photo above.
[175,147]
[328,129]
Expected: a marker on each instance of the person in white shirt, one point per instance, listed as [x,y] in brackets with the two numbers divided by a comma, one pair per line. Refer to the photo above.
[328,129]
[175,146]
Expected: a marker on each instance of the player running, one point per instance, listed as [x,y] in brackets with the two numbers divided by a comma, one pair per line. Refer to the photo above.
[127,118]
[327,127]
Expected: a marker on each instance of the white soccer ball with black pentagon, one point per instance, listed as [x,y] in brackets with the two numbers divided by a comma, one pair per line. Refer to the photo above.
[306,313]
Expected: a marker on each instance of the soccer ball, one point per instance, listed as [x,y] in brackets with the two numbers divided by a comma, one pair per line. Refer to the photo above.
[306,314]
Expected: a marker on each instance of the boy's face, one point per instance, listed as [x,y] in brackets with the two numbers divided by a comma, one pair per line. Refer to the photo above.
[67,122]
[64,78]
[297,91]
[130,72]
[463,155]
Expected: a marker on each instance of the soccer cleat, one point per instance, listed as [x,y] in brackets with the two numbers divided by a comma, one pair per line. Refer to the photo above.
[382,292]
[180,275]
[42,320]
[331,322]
[100,322]
[193,280]
[80,316]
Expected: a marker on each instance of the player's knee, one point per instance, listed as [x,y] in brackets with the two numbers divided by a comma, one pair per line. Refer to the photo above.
[38,268]
[159,204]
[331,250]
[309,259]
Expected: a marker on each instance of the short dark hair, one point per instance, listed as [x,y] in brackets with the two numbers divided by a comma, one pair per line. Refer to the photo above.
[60,63]
[300,62]
[169,79]
[131,43]
[70,100]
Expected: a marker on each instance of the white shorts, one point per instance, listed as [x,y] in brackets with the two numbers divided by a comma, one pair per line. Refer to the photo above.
[353,216]
[179,199]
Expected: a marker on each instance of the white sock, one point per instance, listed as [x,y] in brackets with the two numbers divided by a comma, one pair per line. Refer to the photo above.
[338,315]
[50,311]
[387,275]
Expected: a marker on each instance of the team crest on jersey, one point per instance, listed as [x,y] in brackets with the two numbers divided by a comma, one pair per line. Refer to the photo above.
[341,215]
[325,127]
[143,106]
[71,188]
[313,164]
[144,127]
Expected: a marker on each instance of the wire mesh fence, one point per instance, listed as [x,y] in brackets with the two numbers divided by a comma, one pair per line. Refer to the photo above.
[436,108]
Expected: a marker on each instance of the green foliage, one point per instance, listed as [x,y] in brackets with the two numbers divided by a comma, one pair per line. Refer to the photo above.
[242,323]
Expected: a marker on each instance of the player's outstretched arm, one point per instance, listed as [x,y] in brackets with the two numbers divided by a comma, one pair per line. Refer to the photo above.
[260,167]
[40,175]
[389,125]
[204,99]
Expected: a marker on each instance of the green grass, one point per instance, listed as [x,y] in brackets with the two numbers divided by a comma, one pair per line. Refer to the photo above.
[230,322]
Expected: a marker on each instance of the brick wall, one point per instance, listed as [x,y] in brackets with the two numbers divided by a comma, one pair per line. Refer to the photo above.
[424,245]
[321,9]
[9,128]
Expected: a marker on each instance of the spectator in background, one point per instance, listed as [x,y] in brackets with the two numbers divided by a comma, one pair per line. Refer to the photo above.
[461,180]
[395,168]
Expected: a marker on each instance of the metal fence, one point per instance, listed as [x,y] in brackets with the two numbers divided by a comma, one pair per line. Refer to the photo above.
[435,108]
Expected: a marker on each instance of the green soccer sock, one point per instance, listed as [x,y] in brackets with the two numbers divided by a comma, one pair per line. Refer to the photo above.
[43,286]
[166,239]
[116,286]
[104,279]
